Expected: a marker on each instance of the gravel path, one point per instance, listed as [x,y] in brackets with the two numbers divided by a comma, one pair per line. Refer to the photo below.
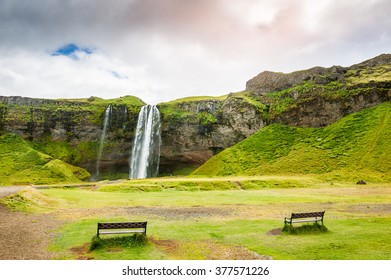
[24,236]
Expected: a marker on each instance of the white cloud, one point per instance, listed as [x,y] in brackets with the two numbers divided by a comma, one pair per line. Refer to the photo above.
[163,50]
[43,75]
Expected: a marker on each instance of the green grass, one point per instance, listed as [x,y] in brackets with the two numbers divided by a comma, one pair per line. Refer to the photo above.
[347,239]
[314,228]
[356,217]
[132,241]
[120,196]
[356,147]
[21,164]
[206,184]
[196,98]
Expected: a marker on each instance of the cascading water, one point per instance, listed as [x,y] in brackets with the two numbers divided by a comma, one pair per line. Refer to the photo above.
[125,118]
[106,122]
[145,157]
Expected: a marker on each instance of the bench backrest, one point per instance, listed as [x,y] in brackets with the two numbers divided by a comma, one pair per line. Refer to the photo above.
[122,225]
[307,215]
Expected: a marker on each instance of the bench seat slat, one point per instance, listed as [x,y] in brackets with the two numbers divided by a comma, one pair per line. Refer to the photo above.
[306,221]
[122,227]
[305,217]
[121,231]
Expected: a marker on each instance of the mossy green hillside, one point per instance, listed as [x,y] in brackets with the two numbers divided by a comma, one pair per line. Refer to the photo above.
[356,147]
[21,164]
[72,153]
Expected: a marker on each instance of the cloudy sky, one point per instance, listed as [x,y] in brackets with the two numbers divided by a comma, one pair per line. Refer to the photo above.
[160,50]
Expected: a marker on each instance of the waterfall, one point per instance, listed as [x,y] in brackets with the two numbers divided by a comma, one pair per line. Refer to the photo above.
[145,157]
[125,118]
[106,122]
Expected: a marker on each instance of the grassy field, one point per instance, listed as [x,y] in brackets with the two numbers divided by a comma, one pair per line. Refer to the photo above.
[188,219]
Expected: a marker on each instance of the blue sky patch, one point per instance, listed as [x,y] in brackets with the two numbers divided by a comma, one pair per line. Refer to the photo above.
[118,75]
[70,50]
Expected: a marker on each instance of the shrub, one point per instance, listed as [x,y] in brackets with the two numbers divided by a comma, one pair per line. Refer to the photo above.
[305,229]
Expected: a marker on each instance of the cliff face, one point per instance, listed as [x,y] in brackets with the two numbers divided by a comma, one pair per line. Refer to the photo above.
[318,111]
[71,129]
[194,129]
[271,81]
[320,96]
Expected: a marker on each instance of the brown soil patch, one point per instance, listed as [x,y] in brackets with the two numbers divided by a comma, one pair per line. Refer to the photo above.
[82,252]
[276,231]
[166,213]
[206,250]
[380,209]
[25,236]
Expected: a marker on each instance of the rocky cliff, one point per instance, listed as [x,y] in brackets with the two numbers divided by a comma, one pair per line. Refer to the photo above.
[320,96]
[70,130]
[194,129]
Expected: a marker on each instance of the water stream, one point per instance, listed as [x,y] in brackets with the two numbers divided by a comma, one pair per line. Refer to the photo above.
[145,156]
[106,122]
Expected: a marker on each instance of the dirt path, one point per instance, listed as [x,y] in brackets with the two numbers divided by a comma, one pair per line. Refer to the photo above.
[24,236]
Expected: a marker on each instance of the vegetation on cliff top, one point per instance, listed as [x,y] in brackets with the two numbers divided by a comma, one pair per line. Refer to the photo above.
[20,165]
[356,147]
[78,111]
[283,92]
[205,110]
[69,129]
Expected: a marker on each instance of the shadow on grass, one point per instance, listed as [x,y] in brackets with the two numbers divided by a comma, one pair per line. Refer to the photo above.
[305,229]
[136,240]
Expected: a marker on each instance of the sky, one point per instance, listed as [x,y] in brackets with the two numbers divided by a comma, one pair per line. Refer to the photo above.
[161,50]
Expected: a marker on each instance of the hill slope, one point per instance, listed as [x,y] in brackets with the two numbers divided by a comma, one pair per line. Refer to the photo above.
[21,164]
[356,147]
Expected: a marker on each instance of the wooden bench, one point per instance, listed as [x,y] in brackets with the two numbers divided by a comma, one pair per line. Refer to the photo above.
[121,228]
[314,217]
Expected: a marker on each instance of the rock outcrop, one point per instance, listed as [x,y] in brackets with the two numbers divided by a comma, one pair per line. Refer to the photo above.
[320,96]
[204,128]
[70,129]
[271,81]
